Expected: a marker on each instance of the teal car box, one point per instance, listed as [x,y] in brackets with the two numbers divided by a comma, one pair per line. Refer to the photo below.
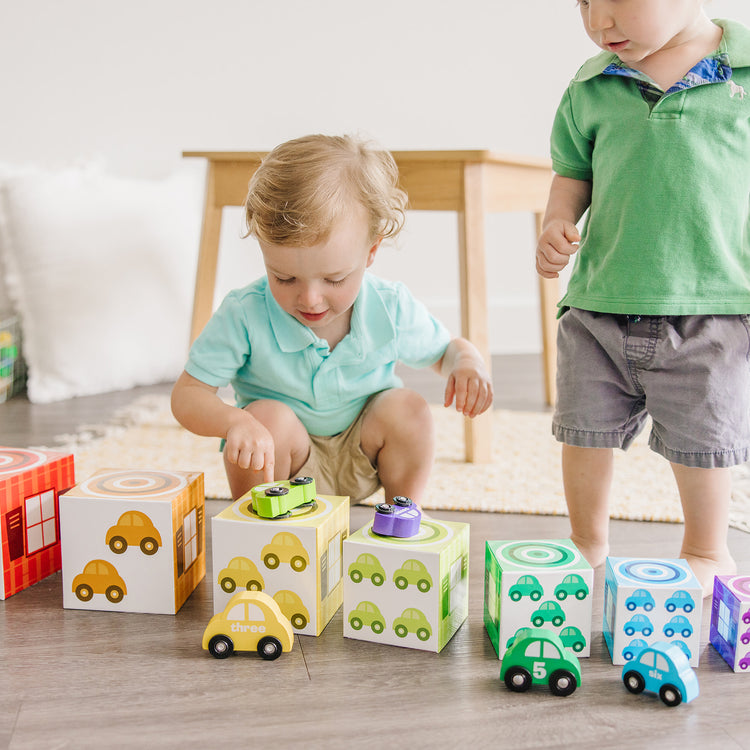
[537,584]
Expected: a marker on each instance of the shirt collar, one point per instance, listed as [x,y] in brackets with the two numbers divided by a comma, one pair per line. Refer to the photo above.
[372,325]
[290,334]
[735,43]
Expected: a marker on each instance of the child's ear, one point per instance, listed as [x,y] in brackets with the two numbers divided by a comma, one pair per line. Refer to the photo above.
[372,252]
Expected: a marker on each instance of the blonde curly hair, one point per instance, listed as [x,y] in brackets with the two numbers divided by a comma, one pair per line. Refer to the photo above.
[304,185]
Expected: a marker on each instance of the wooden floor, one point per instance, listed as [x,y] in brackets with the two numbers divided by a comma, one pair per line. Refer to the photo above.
[74,679]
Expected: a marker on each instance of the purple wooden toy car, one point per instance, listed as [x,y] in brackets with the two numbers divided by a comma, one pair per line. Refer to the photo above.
[400,519]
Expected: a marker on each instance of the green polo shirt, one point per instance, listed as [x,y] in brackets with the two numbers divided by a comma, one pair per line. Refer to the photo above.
[668,229]
[265,353]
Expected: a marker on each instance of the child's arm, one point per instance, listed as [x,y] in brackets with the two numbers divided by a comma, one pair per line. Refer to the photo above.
[197,408]
[468,380]
[568,200]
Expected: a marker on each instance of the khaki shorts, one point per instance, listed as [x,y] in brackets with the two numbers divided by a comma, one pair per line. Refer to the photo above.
[339,466]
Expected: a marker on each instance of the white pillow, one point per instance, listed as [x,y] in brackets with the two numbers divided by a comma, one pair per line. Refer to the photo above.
[101,269]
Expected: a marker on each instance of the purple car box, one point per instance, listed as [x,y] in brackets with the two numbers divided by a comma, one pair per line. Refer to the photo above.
[401,519]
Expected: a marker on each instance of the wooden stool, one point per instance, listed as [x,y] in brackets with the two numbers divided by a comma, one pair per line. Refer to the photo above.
[468,182]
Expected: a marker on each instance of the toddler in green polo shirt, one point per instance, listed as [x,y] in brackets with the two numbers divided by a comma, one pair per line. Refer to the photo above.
[652,138]
[310,348]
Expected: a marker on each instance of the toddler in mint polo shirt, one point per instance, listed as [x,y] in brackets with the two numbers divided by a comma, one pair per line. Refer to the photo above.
[652,139]
[311,348]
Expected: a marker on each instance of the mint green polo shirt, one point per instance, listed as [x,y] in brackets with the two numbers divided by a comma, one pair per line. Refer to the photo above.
[668,229]
[265,353]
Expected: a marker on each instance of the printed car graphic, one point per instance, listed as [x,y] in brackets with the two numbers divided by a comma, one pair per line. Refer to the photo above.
[640,598]
[241,573]
[526,586]
[293,608]
[99,577]
[572,637]
[680,600]
[550,611]
[633,648]
[572,585]
[412,621]
[367,566]
[367,614]
[638,624]
[285,547]
[413,571]
[133,528]
[678,624]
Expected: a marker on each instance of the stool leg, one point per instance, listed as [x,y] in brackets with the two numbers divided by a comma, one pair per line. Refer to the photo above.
[473,288]
[549,294]
[208,258]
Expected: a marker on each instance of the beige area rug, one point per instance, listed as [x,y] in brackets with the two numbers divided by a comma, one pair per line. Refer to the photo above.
[524,476]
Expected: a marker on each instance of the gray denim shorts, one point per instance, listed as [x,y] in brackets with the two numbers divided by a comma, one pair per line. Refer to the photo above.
[690,374]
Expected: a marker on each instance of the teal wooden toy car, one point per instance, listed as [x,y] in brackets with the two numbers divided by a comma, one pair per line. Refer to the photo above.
[538,657]
[662,668]
[279,499]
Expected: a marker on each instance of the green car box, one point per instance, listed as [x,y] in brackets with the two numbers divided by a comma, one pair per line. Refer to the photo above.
[410,592]
[537,584]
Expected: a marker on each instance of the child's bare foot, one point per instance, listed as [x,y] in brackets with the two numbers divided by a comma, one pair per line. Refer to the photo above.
[594,552]
[706,567]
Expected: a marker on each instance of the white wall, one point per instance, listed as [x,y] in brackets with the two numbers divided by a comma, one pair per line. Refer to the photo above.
[133,84]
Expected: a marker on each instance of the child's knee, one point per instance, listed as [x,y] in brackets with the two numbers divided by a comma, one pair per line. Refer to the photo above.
[404,412]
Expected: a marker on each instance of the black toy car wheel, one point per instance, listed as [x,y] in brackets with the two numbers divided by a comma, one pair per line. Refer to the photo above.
[269,648]
[384,508]
[277,491]
[634,682]
[518,679]
[401,501]
[301,480]
[220,646]
[670,695]
[562,682]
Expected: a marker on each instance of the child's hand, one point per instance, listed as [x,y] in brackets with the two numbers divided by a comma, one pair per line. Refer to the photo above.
[470,385]
[250,445]
[557,243]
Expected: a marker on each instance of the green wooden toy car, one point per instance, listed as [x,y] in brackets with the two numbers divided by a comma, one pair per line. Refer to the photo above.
[538,657]
[279,499]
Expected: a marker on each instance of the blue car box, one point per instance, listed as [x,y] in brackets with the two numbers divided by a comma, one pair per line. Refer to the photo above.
[648,600]
[730,621]
[538,584]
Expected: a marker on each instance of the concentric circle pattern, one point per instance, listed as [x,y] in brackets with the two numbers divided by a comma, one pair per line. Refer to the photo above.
[13,460]
[538,554]
[136,484]
[652,572]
